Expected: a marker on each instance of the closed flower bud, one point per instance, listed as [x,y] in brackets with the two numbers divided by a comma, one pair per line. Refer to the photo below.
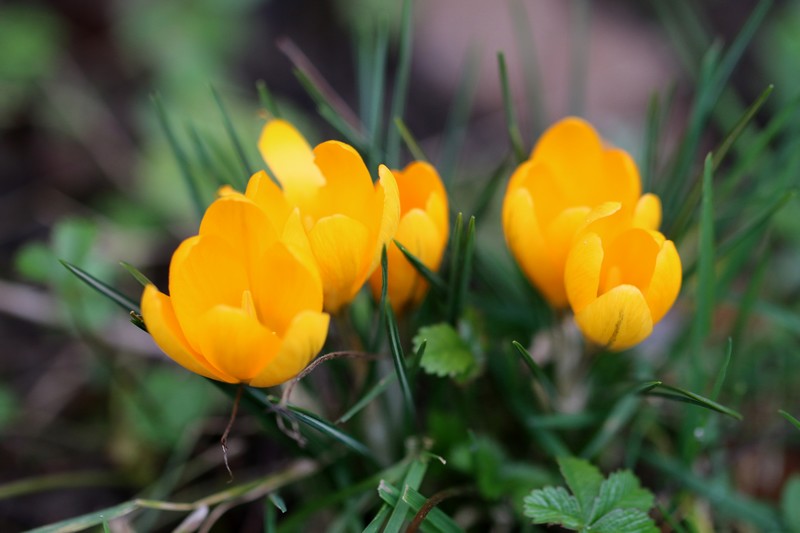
[620,286]
[551,198]
[347,218]
[245,296]
[423,230]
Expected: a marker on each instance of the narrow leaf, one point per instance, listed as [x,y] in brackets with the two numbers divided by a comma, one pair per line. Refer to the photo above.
[88,520]
[792,420]
[323,426]
[400,89]
[698,400]
[399,364]
[455,128]
[413,479]
[436,282]
[137,275]
[234,138]
[436,521]
[508,106]
[106,290]
[537,372]
[266,99]
[411,143]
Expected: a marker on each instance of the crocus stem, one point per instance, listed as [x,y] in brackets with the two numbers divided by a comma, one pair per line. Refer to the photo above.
[224,439]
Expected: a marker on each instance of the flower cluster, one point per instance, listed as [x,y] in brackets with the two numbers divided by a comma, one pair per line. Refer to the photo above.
[584,235]
[247,292]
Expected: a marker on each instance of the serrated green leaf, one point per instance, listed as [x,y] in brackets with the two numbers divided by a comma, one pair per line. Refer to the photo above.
[625,521]
[584,480]
[621,491]
[790,504]
[446,354]
[553,505]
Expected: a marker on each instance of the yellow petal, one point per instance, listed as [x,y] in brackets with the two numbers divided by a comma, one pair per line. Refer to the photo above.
[159,317]
[341,247]
[418,233]
[630,260]
[437,210]
[204,273]
[617,320]
[527,244]
[388,197]
[665,283]
[648,212]
[621,181]
[234,341]
[517,178]
[291,160]
[582,271]
[417,182]
[284,287]
[269,197]
[561,233]
[295,239]
[243,226]
[348,185]
[550,194]
[301,343]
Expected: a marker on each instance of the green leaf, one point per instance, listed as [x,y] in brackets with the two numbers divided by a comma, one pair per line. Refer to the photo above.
[508,106]
[790,504]
[554,505]
[399,363]
[678,393]
[266,99]
[584,480]
[413,479]
[435,520]
[411,141]
[792,420]
[430,276]
[455,128]
[234,138]
[400,89]
[625,521]
[137,275]
[537,372]
[621,491]
[326,428]
[106,290]
[446,353]
[86,521]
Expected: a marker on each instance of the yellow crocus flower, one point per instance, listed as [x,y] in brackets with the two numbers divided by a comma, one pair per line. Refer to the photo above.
[552,197]
[620,286]
[245,302]
[423,230]
[347,218]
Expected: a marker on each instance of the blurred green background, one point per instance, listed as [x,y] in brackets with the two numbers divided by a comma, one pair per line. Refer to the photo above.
[89,409]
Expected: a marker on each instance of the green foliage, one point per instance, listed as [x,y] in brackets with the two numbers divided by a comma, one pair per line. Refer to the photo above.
[616,504]
[790,504]
[446,354]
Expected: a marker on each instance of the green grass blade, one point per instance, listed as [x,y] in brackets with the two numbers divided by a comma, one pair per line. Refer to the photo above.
[436,282]
[400,89]
[485,197]
[398,358]
[537,372]
[724,147]
[379,388]
[619,415]
[411,142]
[126,303]
[180,156]
[203,157]
[706,266]
[514,134]
[86,521]
[792,420]
[267,100]
[723,371]
[456,244]
[413,479]
[137,275]
[234,138]
[455,129]
[326,428]
[435,521]
[377,88]
[696,399]
[460,268]
[526,48]
[376,524]
[652,137]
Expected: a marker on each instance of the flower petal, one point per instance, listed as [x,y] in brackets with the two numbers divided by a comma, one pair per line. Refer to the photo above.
[388,197]
[527,244]
[348,186]
[418,182]
[159,317]
[647,214]
[291,160]
[284,288]
[665,283]
[269,197]
[342,248]
[616,320]
[234,341]
[204,273]
[418,233]
[582,271]
[302,342]
[629,260]
[621,181]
